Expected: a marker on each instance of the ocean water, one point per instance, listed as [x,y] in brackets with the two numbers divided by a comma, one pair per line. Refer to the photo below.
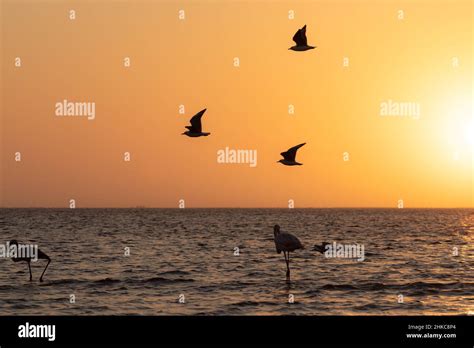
[190,253]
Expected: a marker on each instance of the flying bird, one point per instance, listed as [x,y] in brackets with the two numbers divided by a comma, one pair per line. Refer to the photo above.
[41,255]
[286,242]
[195,129]
[289,157]
[301,41]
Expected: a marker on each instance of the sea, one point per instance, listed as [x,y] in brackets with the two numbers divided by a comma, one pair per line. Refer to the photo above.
[224,262]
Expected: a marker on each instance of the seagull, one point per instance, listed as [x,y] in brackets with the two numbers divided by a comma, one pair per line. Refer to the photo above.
[301,41]
[41,255]
[286,242]
[290,155]
[320,248]
[195,129]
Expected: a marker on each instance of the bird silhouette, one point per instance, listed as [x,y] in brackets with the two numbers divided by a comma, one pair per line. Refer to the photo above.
[301,41]
[286,242]
[195,129]
[41,255]
[289,157]
[320,248]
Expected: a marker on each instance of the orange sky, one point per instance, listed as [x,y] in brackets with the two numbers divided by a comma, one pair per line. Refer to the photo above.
[427,162]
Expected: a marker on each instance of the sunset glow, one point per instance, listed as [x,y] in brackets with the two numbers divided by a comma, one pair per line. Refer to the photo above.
[355,156]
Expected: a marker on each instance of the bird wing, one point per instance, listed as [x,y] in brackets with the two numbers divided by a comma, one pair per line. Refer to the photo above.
[300,37]
[290,154]
[196,122]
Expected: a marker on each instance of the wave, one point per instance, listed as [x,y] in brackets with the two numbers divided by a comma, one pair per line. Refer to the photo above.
[405,286]
[250,303]
[113,281]
[161,280]
[174,272]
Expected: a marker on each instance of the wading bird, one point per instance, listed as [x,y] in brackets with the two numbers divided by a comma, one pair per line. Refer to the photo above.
[320,248]
[289,157]
[41,255]
[301,41]
[195,129]
[286,242]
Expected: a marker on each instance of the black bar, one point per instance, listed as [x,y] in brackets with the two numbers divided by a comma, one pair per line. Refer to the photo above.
[330,330]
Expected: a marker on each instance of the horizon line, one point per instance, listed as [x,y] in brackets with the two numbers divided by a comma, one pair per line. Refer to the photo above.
[145,207]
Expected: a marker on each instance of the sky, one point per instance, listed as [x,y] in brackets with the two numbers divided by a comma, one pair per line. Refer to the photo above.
[417,53]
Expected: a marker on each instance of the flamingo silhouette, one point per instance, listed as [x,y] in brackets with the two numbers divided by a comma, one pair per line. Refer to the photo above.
[286,242]
[320,248]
